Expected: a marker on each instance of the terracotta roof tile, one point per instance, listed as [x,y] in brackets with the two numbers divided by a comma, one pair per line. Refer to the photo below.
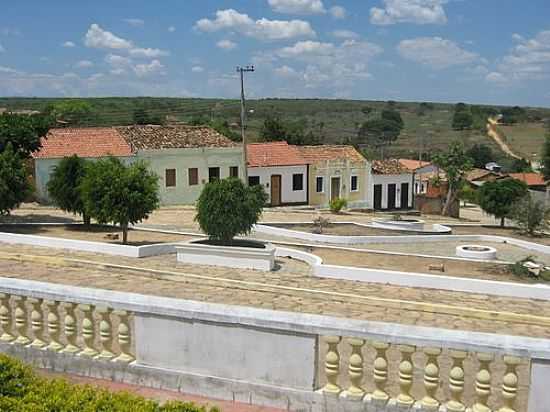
[388,167]
[316,154]
[531,179]
[273,154]
[412,164]
[83,142]
[476,174]
[152,137]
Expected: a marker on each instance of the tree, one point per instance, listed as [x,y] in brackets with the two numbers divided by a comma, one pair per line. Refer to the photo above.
[546,157]
[117,193]
[141,116]
[74,112]
[64,186]
[393,116]
[481,154]
[497,197]
[529,214]
[23,132]
[379,132]
[455,162]
[462,120]
[14,185]
[520,166]
[272,130]
[468,194]
[227,208]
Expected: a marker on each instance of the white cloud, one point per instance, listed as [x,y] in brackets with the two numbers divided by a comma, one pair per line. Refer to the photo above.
[338,12]
[4,69]
[436,52]
[98,38]
[528,60]
[263,29]
[147,53]
[83,64]
[297,6]
[303,49]
[197,69]
[153,67]
[135,22]
[68,44]
[345,34]
[172,29]
[286,71]
[409,11]
[226,45]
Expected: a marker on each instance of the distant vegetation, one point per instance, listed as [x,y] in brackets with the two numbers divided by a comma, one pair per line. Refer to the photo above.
[425,129]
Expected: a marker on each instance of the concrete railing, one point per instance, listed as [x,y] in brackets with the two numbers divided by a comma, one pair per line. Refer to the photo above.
[288,360]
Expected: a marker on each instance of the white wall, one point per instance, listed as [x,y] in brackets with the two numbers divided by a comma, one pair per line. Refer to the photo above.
[287,194]
[385,180]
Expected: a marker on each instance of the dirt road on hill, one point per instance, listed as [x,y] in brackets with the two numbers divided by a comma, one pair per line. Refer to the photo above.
[493,133]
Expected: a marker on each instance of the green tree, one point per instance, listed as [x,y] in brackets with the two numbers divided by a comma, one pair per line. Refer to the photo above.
[393,116]
[227,208]
[64,186]
[546,157]
[14,184]
[468,194]
[74,112]
[119,193]
[456,163]
[23,132]
[379,132]
[462,120]
[481,154]
[497,197]
[273,130]
[529,214]
[520,166]
[141,116]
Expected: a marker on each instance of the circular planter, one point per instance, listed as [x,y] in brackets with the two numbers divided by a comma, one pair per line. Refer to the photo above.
[243,254]
[403,224]
[476,252]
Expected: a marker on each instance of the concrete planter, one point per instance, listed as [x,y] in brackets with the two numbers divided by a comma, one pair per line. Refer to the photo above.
[258,258]
[476,252]
[404,224]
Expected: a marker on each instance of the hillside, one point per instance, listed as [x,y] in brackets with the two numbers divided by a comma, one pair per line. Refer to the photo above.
[426,129]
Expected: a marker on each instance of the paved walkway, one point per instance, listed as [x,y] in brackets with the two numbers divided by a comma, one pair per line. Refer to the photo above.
[160,395]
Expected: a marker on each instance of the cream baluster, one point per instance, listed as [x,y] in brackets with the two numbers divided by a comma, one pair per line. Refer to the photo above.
[510,384]
[355,370]
[379,398]
[406,369]
[6,318]
[37,323]
[71,329]
[88,331]
[53,326]
[483,383]
[21,321]
[431,379]
[332,365]
[456,382]
[105,334]
[124,338]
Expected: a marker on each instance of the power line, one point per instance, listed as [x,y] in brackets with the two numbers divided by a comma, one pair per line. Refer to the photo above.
[242,71]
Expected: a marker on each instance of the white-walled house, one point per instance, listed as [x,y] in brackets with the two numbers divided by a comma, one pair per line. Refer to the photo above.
[391,185]
[423,171]
[281,170]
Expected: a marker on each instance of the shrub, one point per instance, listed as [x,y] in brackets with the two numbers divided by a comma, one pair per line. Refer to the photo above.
[337,204]
[529,215]
[21,390]
[14,186]
[227,208]
[496,198]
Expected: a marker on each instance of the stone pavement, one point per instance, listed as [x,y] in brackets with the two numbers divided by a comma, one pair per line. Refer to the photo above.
[291,288]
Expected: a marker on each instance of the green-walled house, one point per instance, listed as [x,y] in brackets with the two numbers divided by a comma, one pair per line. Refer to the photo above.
[184,157]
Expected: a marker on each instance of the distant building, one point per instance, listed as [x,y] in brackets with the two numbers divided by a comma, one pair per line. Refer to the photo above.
[391,185]
[424,172]
[535,181]
[493,167]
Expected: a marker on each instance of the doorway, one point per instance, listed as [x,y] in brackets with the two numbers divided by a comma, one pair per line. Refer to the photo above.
[275,190]
[334,188]
[391,196]
[404,195]
[377,197]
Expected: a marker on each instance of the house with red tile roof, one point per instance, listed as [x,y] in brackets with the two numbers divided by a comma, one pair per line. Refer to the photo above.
[184,157]
[281,170]
[535,181]
[391,185]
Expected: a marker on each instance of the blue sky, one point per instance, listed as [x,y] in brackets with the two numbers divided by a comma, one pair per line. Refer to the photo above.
[485,51]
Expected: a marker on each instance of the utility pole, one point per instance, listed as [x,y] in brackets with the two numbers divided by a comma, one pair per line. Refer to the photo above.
[242,71]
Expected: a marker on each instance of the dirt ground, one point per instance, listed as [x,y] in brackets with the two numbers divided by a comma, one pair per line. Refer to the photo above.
[340,229]
[94,234]
[491,230]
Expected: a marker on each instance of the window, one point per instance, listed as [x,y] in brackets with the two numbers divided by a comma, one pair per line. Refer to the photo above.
[170,177]
[234,171]
[298,182]
[354,183]
[193,176]
[319,184]
[213,174]
[253,180]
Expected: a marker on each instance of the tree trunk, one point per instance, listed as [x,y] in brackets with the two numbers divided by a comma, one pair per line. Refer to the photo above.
[86,220]
[124,233]
[502,221]
[448,202]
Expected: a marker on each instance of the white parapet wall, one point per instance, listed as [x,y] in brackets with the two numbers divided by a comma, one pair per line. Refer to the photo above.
[259,356]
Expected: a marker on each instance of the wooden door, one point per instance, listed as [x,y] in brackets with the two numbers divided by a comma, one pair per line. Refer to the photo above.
[334,188]
[391,196]
[404,195]
[275,190]
[377,197]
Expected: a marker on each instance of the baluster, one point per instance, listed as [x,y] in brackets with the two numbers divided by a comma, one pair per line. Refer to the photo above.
[88,332]
[456,382]
[510,384]
[70,329]
[406,369]
[380,396]
[37,323]
[355,370]
[105,334]
[21,321]
[124,338]
[431,379]
[483,383]
[5,318]
[53,326]
[332,365]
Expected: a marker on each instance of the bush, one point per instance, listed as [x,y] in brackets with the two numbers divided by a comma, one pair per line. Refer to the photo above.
[227,208]
[336,205]
[529,215]
[21,390]
[14,185]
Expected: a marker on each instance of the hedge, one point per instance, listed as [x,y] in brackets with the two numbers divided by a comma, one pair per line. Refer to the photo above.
[22,390]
